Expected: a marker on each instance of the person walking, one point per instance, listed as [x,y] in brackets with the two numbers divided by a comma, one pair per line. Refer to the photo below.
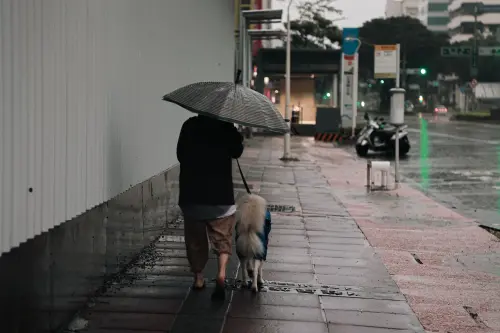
[205,150]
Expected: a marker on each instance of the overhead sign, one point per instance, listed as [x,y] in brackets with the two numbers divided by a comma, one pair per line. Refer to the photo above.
[350,40]
[489,51]
[456,51]
[386,61]
[414,86]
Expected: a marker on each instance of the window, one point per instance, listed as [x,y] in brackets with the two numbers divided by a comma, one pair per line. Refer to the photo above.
[438,7]
[437,20]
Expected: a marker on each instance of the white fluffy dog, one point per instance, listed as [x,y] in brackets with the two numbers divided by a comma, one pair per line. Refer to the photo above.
[253,225]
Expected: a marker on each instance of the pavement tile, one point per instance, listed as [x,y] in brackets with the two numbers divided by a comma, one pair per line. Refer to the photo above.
[275,312]
[130,321]
[365,304]
[282,267]
[151,291]
[350,271]
[280,250]
[138,305]
[356,281]
[197,323]
[372,319]
[362,252]
[288,276]
[339,247]
[288,259]
[336,240]
[276,298]
[346,262]
[241,325]
[337,233]
[199,303]
[333,328]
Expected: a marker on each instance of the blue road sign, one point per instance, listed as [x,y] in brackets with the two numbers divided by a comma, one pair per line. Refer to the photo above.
[349,46]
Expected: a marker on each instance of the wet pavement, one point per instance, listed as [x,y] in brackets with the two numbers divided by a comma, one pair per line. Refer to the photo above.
[321,276]
[462,168]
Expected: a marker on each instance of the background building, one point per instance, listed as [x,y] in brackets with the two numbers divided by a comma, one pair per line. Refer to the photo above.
[462,16]
[413,8]
[438,16]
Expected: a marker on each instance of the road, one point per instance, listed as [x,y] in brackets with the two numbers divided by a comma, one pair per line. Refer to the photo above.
[462,169]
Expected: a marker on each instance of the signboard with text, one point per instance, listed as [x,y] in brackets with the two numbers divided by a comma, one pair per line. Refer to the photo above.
[489,51]
[386,61]
[456,51]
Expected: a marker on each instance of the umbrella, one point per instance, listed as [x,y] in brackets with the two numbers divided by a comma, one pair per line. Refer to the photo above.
[230,102]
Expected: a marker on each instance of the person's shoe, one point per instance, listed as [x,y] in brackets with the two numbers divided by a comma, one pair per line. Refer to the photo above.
[219,293]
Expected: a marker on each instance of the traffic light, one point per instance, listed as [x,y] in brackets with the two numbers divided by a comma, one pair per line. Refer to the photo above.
[382,81]
[423,71]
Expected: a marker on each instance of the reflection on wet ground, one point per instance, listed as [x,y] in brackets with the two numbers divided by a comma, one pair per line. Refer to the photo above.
[462,167]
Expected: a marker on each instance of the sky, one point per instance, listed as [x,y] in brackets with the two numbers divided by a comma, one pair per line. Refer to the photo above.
[356,12]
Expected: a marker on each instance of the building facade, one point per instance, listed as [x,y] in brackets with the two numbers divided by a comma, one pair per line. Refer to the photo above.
[413,8]
[438,16]
[464,13]
[88,167]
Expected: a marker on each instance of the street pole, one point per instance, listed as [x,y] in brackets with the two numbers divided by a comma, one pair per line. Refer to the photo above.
[355,92]
[288,115]
[396,147]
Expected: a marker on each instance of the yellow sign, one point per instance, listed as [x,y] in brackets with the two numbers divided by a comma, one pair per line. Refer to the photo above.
[386,47]
[386,61]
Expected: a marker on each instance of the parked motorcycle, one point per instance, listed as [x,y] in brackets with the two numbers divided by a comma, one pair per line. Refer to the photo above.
[379,136]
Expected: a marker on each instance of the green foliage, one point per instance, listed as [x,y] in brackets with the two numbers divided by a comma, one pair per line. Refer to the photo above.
[313,30]
[420,47]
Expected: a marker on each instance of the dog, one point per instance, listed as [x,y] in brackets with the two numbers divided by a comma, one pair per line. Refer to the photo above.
[253,226]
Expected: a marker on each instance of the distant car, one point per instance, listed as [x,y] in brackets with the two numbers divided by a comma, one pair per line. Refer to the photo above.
[441,109]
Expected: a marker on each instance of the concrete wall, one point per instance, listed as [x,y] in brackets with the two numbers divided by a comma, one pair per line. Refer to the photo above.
[82,116]
[301,94]
[87,146]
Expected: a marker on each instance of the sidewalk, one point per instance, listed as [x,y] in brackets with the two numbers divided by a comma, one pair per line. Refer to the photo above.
[322,274]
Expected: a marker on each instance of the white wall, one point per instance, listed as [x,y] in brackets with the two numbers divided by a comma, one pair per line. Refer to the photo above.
[82,117]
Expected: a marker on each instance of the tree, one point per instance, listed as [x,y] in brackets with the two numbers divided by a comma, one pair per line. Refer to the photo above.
[313,30]
[420,47]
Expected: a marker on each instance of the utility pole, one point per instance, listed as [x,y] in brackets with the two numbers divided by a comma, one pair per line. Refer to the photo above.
[475,50]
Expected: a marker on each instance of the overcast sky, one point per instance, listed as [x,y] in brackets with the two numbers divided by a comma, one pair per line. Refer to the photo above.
[356,12]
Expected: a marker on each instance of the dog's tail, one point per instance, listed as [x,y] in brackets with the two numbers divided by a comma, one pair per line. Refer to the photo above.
[252,214]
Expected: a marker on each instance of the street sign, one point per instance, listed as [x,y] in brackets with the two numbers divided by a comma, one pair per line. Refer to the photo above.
[412,71]
[386,61]
[489,51]
[414,86]
[456,51]
[350,40]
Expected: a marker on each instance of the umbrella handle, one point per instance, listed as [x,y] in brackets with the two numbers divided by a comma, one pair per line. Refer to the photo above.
[238,74]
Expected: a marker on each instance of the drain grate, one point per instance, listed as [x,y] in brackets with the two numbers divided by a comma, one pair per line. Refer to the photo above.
[281,208]
[298,288]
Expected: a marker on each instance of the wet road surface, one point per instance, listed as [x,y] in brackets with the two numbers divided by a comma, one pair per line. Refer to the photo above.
[462,168]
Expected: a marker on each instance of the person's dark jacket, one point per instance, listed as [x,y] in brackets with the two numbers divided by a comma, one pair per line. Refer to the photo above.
[205,151]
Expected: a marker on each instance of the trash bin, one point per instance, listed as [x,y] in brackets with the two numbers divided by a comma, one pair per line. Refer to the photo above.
[295,117]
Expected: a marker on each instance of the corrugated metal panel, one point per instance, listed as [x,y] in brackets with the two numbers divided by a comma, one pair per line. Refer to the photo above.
[80,98]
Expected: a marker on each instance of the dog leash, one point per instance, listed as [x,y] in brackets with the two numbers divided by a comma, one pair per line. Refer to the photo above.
[243,177]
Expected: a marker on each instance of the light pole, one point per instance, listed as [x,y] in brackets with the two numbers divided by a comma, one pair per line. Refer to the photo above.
[288,111]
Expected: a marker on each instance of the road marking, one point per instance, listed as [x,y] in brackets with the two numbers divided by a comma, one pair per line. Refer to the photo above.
[442,135]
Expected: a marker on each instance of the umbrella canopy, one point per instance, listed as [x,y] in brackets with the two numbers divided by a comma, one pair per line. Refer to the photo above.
[229,102]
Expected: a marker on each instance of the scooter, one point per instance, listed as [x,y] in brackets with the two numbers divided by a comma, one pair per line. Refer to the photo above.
[379,136]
